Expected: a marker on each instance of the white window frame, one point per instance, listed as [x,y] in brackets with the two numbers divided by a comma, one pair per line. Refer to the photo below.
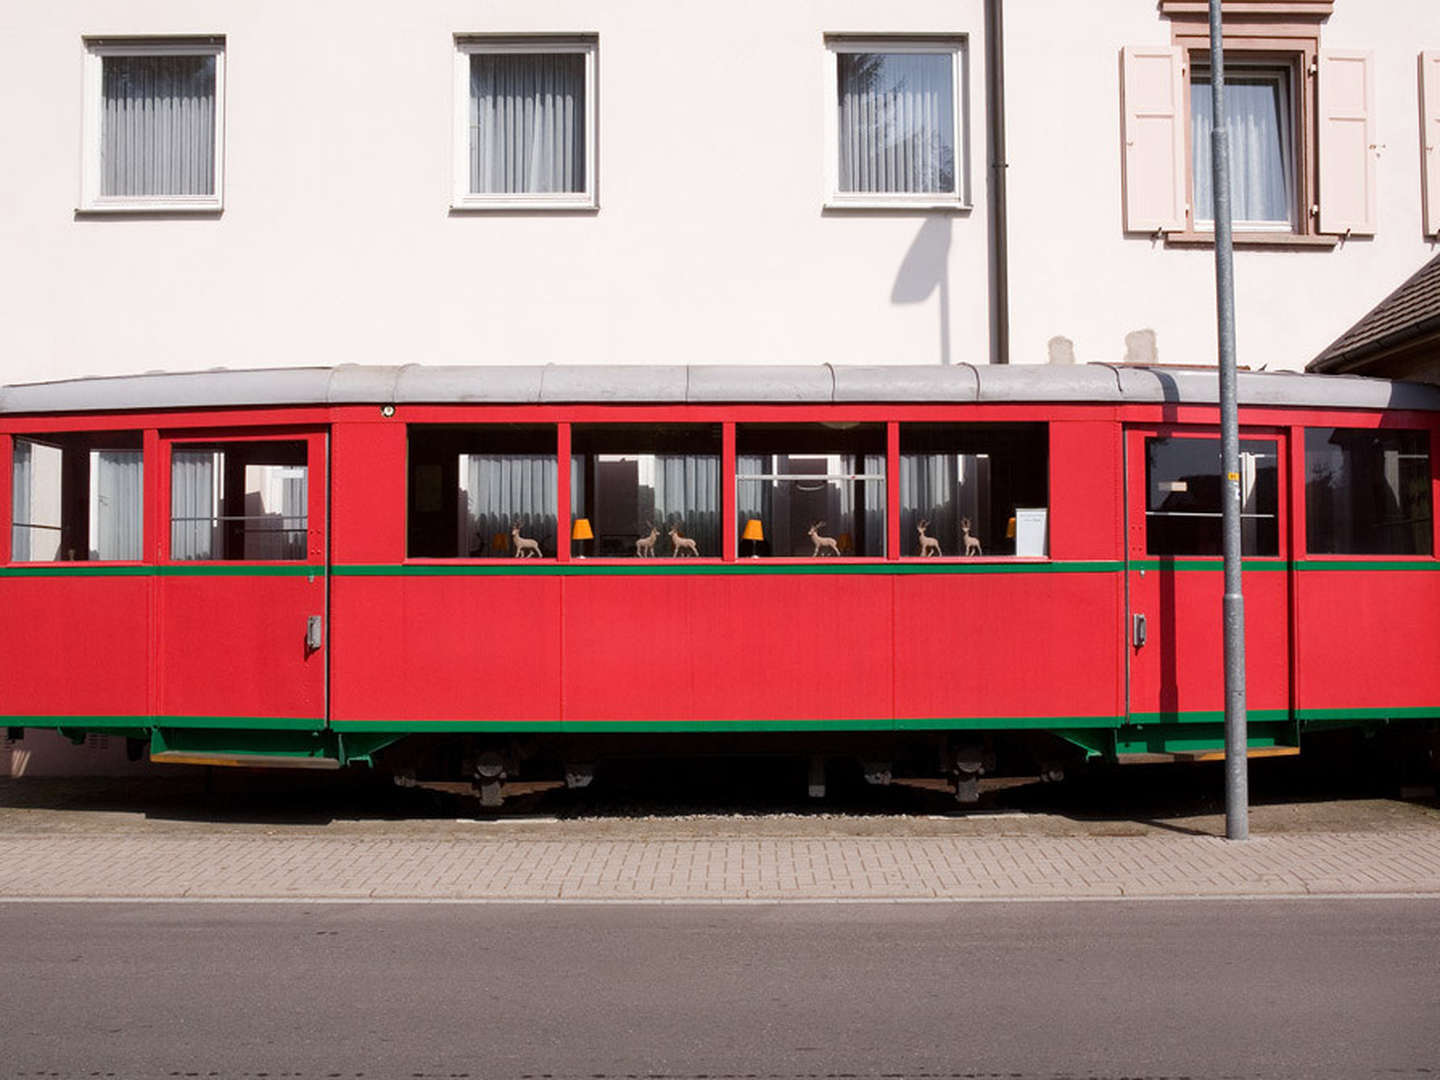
[957,46]
[1283,75]
[96,49]
[466,46]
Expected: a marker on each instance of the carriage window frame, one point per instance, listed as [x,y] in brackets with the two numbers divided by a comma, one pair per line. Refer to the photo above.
[1421,527]
[223,493]
[1152,486]
[77,496]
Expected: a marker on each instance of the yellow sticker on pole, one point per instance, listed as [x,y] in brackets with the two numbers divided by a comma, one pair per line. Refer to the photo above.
[1233,477]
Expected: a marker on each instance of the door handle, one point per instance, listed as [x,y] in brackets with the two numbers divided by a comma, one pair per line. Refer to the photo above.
[314,632]
[1137,630]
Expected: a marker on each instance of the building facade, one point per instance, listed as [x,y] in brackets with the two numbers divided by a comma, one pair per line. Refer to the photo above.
[245,185]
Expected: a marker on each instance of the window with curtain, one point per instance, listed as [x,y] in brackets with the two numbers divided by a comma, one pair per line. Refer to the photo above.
[813,489]
[1261,144]
[77,497]
[155,112]
[976,489]
[483,491]
[634,479]
[239,501]
[898,113]
[527,122]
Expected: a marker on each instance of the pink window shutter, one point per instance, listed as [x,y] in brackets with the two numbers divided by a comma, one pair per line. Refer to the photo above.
[1347,142]
[1153,101]
[1430,139]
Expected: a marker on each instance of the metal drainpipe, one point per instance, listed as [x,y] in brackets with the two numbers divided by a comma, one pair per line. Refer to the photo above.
[995,147]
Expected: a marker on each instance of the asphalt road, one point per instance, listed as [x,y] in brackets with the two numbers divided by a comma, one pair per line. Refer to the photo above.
[1028,990]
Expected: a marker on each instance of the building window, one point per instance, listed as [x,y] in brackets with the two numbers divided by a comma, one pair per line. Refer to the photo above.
[814,489]
[525,122]
[77,497]
[1260,121]
[646,489]
[973,489]
[897,122]
[1367,492]
[238,501]
[153,118]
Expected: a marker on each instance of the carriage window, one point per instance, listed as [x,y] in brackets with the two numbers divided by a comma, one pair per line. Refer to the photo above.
[810,489]
[77,497]
[646,490]
[487,491]
[974,489]
[1367,492]
[238,500]
[1182,501]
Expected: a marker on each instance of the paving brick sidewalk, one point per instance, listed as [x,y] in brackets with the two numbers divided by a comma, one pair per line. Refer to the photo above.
[749,868]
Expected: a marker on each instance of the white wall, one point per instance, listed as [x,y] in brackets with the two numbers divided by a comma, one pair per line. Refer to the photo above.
[1074,272]
[336,242]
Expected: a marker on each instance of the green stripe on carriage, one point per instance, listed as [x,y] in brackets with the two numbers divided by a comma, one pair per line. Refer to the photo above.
[963,723]
[1367,564]
[1417,712]
[1207,716]
[238,569]
[518,568]
[229,723]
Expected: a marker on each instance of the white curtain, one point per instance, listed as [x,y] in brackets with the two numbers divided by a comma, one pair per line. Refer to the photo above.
[116,478]
[687,494]
[942,489]
[1260,144]
[194,505]
[503,489]
[157,132]
[527,123]
[20,503]
[897,122]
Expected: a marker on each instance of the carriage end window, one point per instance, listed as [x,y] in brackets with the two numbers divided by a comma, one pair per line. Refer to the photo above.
[974,489]
[1183,513]
[77,497]
[238,501]
[1367,492]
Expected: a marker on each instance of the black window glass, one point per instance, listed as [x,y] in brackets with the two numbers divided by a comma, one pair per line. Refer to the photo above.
[1367,492]
[1182,497]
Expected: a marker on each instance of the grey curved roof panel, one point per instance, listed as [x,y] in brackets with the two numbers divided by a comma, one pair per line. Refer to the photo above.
[350,384]
[906,383]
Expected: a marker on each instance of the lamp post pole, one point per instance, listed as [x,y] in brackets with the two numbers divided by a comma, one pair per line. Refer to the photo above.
[1237,797]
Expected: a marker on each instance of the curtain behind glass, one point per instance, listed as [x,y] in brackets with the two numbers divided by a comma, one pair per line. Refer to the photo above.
[157,127]
[687,495]
[1258,121]
[527,123]
[20,502]
[116,478]
[897,122]
[503,489]
[194,528]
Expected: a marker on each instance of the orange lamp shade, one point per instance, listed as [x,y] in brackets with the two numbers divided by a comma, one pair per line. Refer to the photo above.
[581,530]
[753,531]
[1010,529]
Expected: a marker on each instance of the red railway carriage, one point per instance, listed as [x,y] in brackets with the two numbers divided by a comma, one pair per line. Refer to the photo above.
[496,569]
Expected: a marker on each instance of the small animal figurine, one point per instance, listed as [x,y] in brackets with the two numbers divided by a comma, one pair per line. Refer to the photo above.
[928,544]
[822,543]
[645,546]
[681,544]
[524,549]
[972,543]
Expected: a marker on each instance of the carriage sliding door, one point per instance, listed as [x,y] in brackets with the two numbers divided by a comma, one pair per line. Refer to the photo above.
[1175,575]
[242,599]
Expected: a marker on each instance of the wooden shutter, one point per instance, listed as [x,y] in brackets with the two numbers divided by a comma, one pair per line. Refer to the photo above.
[1430,140]
[1347,142]
[1154,154]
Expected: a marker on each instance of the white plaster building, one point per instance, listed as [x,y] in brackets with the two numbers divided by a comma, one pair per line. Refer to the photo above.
[709,224]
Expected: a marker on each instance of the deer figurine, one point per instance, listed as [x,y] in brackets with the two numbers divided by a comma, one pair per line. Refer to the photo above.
[524,548]
[681,544]
[822,543]
[928,544]
[645,546]
[972,543]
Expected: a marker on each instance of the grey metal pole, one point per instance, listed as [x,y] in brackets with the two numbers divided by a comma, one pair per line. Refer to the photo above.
[1237,796]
